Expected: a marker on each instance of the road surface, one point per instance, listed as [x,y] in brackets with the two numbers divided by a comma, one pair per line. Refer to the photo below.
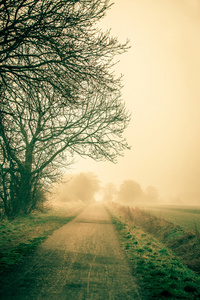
[81,260]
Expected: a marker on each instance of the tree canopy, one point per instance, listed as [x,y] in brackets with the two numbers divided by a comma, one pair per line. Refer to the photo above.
[56,43]
[58,93]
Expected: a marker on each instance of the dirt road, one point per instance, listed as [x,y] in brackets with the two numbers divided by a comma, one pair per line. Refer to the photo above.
[81,260]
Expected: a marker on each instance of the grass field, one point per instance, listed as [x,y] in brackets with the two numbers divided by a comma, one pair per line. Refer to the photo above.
[187,217]
[160,253]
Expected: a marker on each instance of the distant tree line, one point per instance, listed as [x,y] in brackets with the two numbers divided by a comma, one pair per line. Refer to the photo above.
[130,193]
[83,187]
[58,94]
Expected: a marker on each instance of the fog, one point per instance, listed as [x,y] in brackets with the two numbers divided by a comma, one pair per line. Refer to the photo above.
[73,189]
[161,90]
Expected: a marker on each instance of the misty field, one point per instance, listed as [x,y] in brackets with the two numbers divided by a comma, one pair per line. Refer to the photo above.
[187,217]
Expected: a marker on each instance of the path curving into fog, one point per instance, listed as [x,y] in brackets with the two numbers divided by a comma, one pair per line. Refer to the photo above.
[81,260]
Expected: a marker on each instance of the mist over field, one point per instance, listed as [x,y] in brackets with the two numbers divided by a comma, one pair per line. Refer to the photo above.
[73,189]
[85,187]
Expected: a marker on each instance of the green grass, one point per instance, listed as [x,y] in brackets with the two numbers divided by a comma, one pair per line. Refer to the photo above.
[160,253]
[184,243]
[21,236]
[157,268]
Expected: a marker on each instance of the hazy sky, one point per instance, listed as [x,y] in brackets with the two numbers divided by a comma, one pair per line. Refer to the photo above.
[162,91]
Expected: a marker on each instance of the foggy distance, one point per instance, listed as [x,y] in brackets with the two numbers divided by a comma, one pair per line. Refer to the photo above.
[161,90]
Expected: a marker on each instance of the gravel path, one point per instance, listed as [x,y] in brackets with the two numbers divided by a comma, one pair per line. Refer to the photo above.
[81,260]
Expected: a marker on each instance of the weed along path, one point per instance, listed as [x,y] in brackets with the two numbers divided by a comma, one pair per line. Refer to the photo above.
[81,260]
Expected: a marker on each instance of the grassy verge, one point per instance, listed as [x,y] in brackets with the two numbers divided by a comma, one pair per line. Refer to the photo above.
[22,235]
[159,270]
[184,243]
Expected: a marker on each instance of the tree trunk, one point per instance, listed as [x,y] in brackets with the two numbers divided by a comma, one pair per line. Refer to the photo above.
[25,187]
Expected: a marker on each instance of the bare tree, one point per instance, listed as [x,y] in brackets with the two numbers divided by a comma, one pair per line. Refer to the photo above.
[55,41]
[80,187]
[58,94]
[109,192]
[84,186]
[129,191]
